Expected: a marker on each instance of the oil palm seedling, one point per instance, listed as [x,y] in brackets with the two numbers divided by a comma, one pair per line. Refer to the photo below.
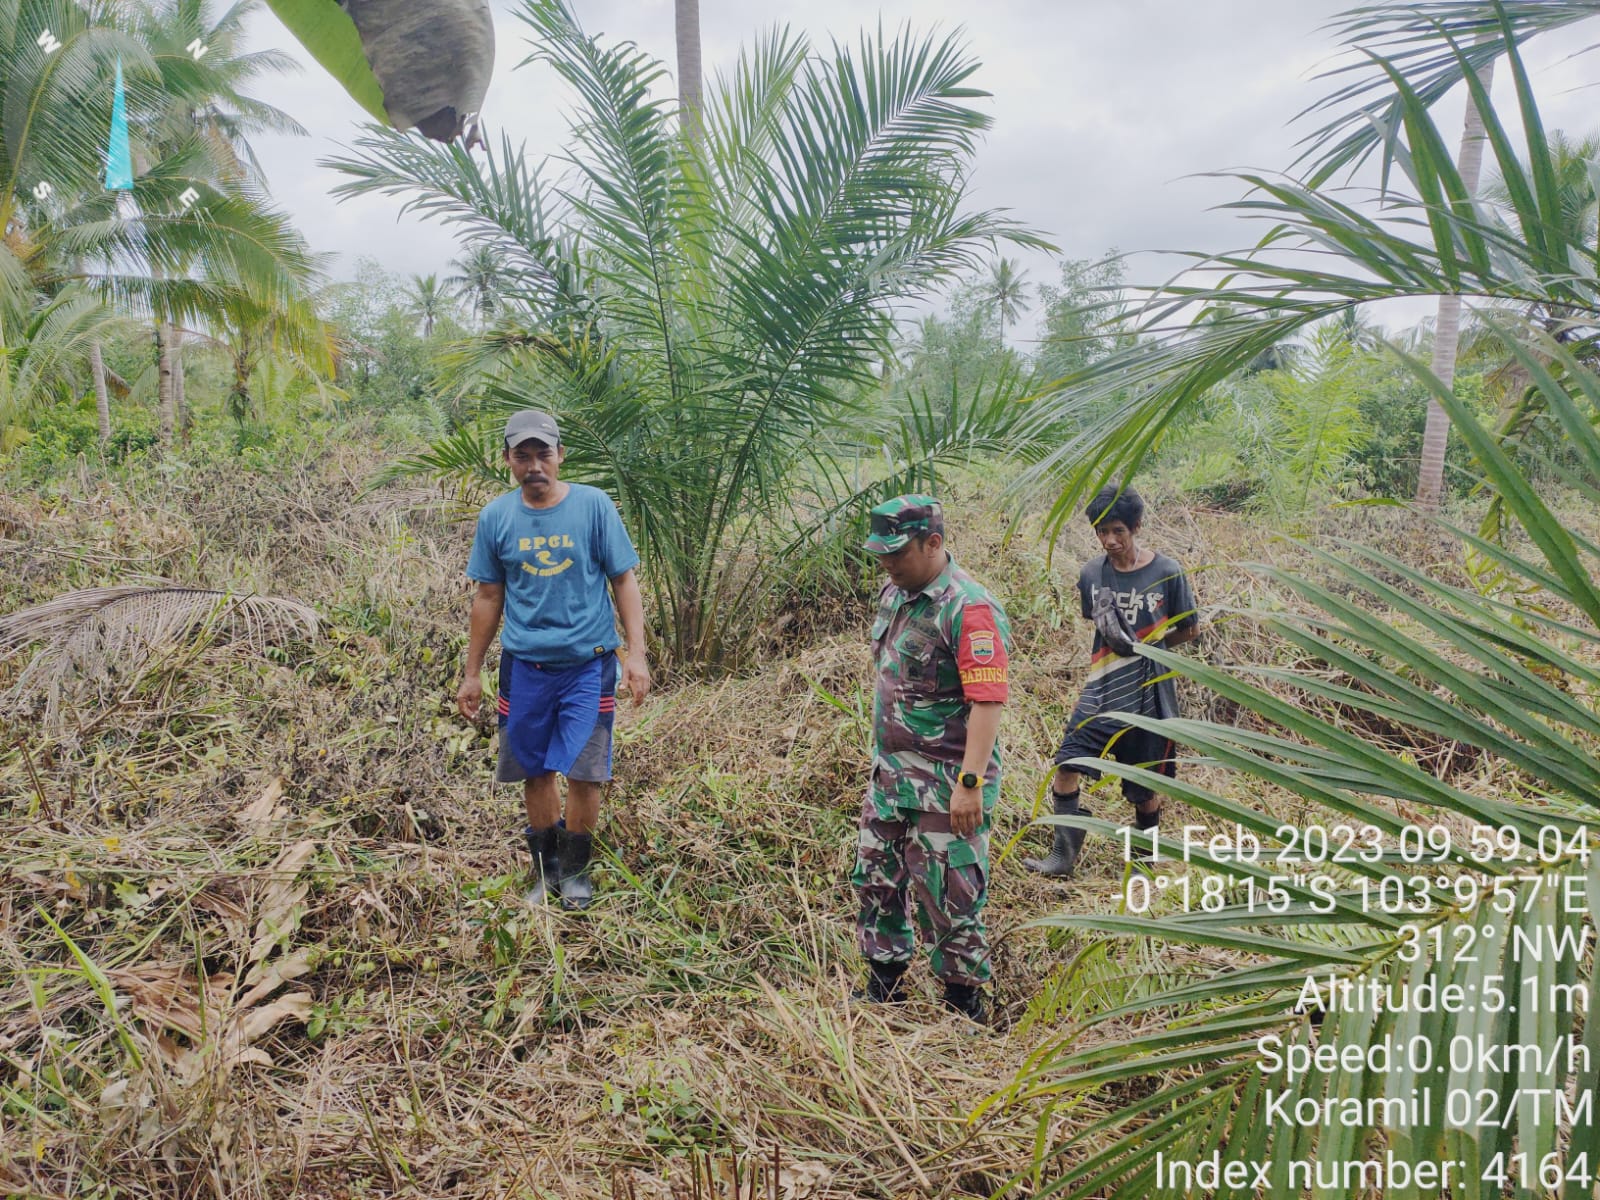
[703,312]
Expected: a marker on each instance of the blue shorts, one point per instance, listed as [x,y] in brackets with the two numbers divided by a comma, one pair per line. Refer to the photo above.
[556,719]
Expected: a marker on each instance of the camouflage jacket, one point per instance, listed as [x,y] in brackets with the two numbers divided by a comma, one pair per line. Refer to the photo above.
[935,651]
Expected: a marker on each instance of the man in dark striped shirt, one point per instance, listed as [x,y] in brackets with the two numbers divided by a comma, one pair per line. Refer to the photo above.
[1131,593]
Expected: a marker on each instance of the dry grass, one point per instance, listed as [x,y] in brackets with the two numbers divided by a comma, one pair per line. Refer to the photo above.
[259,922]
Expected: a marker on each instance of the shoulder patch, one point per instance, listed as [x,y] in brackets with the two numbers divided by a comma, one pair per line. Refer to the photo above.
[981,656]
[981,643]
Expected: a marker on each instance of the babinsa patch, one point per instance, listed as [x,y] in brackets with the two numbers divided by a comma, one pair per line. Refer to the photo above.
[981,644]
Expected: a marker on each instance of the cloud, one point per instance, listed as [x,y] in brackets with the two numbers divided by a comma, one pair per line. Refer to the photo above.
[1107,117]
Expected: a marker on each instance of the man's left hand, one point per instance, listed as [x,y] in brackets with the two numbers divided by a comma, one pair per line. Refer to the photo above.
[966,810]
[636,677]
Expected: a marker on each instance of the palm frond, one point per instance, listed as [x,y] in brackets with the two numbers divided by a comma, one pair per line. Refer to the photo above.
[628,162]
[1415,39]
[108,637]
[502,204]
[55,105]
[48,343]
[465,458]
[1511,701]
[124,616]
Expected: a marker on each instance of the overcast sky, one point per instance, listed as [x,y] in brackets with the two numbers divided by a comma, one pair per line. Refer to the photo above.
[1106,115]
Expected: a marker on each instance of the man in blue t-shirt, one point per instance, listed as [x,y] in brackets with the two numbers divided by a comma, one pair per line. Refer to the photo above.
[541,558]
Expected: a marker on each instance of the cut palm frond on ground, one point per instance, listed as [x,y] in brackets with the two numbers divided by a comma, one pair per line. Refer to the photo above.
[101,636]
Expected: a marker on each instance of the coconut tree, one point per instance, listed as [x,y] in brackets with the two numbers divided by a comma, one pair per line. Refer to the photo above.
[702,313]
[45,341]
[56,69]
[200,100]
[253,336]
[426,302]
[1388,665]
[479,280]
[174,256]
[1007,290]
[205,77]
[137,254]
[56,64]
[1447,324]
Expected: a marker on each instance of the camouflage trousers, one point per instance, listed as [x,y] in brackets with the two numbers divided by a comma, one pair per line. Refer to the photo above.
[915,856]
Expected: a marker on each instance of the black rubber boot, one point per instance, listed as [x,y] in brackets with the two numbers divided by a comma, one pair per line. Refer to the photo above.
[883,983]
[576,889]
[1143,821]
[966,1000]
[546,863]
[1065,844]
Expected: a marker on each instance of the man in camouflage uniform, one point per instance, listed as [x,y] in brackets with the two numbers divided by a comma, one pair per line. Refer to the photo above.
[939,646]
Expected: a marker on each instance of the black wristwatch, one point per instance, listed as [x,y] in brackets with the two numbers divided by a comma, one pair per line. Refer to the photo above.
[969,779]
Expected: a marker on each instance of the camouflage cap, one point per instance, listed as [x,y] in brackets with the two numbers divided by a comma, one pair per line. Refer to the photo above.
[894,522]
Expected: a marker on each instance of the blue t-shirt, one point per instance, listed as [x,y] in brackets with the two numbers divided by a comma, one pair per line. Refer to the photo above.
[554,563]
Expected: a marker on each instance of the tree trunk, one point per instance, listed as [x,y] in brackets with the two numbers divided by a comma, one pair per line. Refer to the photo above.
[102,401]
[180,397]
[166,405]
[1447,327]
[686,18]
[241,387]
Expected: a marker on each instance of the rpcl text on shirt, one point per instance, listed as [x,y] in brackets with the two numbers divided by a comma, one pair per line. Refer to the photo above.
[562,540]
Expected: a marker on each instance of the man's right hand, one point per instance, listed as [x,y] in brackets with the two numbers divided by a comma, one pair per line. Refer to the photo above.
[469,700]
[966,810]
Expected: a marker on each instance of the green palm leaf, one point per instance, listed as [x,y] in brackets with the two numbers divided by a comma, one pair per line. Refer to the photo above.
[195,228]
[55,105]
[45,343]
[1421,39]
[326,30]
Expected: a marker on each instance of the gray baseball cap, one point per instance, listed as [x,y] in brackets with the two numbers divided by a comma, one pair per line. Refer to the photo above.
[531,423]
